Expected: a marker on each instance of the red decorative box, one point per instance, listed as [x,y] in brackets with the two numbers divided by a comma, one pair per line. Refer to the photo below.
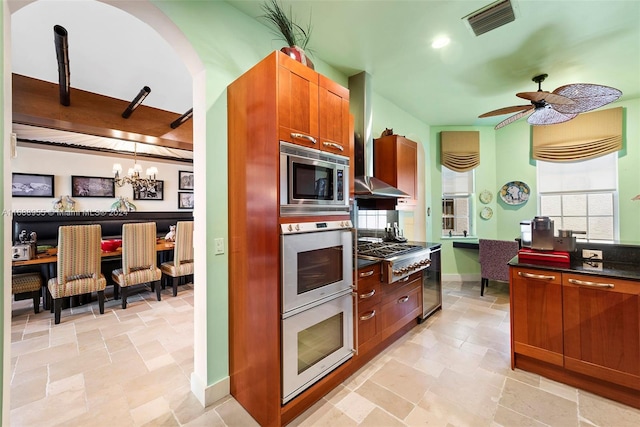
[543,257]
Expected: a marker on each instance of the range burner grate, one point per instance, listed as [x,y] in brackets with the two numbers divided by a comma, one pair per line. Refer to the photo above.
[385,250]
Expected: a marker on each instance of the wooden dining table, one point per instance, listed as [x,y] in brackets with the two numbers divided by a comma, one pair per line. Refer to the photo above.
[50,256]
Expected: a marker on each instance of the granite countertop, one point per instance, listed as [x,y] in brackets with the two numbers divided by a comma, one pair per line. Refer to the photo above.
[618,270]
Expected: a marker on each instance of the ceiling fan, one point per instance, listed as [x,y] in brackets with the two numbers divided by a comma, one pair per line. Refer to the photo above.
[559,106]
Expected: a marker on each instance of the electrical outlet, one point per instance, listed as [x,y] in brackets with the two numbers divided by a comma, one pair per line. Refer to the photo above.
[219,246]
[591,254]
[592,265]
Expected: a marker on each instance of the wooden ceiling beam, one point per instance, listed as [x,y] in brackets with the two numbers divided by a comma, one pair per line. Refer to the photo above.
[36,102]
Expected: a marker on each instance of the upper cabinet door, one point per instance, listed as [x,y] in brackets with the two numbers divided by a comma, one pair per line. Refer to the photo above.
[334,117]
[395,161]
[298,103]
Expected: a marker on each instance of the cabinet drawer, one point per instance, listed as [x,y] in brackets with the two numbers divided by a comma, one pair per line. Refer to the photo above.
[368,327]
[400,307]
[369,286]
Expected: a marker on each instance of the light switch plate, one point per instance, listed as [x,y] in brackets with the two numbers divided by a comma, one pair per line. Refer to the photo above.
[219,246]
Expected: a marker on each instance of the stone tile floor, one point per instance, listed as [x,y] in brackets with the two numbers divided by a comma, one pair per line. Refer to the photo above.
[132,367]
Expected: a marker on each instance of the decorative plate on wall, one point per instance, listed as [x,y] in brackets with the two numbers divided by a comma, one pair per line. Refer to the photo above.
[486,196]
[515,193]
[486,213]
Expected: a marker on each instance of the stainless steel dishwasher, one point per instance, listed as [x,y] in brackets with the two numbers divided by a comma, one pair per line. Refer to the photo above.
[432,285]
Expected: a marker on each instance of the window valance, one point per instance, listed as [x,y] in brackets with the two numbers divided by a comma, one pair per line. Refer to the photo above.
[460,150]
[587,136]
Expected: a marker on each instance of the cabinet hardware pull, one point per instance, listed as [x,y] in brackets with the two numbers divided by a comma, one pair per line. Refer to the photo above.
[303,136]
[403,299]
[366,273]
[595,284]
[535,276]
[404,279]
[368,294]
[368,316]
[334,145]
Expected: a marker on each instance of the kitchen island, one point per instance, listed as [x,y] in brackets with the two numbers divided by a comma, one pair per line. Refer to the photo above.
[579,322]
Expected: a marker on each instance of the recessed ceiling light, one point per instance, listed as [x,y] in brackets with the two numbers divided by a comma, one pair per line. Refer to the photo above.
[440,42]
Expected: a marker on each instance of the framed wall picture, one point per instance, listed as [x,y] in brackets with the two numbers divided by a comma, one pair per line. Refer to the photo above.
[32,185]
[185,200]
[185,180]
[152,193]
[92,186]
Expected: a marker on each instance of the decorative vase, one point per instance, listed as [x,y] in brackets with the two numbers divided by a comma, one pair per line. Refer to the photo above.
[298,54]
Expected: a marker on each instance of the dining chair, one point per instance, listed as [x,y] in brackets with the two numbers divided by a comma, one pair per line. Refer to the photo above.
[494,256]
[31,283]
[139,259]
[78,265]
[182,264]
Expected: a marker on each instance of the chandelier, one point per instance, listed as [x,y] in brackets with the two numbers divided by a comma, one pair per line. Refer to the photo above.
[134,176]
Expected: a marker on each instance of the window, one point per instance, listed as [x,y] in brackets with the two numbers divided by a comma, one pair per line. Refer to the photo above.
[581,196]
[457,192]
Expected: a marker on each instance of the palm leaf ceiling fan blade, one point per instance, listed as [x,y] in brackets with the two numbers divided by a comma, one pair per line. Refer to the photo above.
[505,110]
[515,117]
[561,105]
[586,97]
[548,97]
[549,116]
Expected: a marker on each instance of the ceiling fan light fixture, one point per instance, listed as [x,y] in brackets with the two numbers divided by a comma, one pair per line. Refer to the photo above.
[547,115]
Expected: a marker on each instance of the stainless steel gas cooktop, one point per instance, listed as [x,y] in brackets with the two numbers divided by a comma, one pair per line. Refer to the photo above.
[399,260]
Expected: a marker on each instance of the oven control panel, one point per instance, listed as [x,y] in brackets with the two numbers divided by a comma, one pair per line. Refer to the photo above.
[308,227]
[401,268]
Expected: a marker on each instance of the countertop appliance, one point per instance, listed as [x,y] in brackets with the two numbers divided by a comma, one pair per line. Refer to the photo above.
[399,260]
[542,233]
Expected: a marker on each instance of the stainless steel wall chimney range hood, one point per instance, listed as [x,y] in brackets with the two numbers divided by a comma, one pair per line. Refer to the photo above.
[366,186]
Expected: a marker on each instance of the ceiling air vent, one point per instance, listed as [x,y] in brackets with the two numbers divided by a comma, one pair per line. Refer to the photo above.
[491,17]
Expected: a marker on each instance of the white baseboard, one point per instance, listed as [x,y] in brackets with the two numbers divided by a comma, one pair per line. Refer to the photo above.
[207,395]
[475,277]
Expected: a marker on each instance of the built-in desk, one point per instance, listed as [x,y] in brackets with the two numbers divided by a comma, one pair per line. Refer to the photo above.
[466,245]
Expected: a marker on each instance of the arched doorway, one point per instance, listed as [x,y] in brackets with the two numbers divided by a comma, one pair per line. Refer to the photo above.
[146,12]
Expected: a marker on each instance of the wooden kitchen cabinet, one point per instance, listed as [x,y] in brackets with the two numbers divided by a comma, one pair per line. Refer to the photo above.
[312,110]
[334,117]
[274,99]
[395,161]
[369,295]
[401,304]
[579,329]
[536,312]
[602,328]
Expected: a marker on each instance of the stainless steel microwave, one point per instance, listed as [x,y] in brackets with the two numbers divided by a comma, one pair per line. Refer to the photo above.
[312,182]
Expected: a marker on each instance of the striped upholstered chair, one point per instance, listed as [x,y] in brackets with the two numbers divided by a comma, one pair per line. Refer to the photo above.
[139,259]
[79,260]
[182,264]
